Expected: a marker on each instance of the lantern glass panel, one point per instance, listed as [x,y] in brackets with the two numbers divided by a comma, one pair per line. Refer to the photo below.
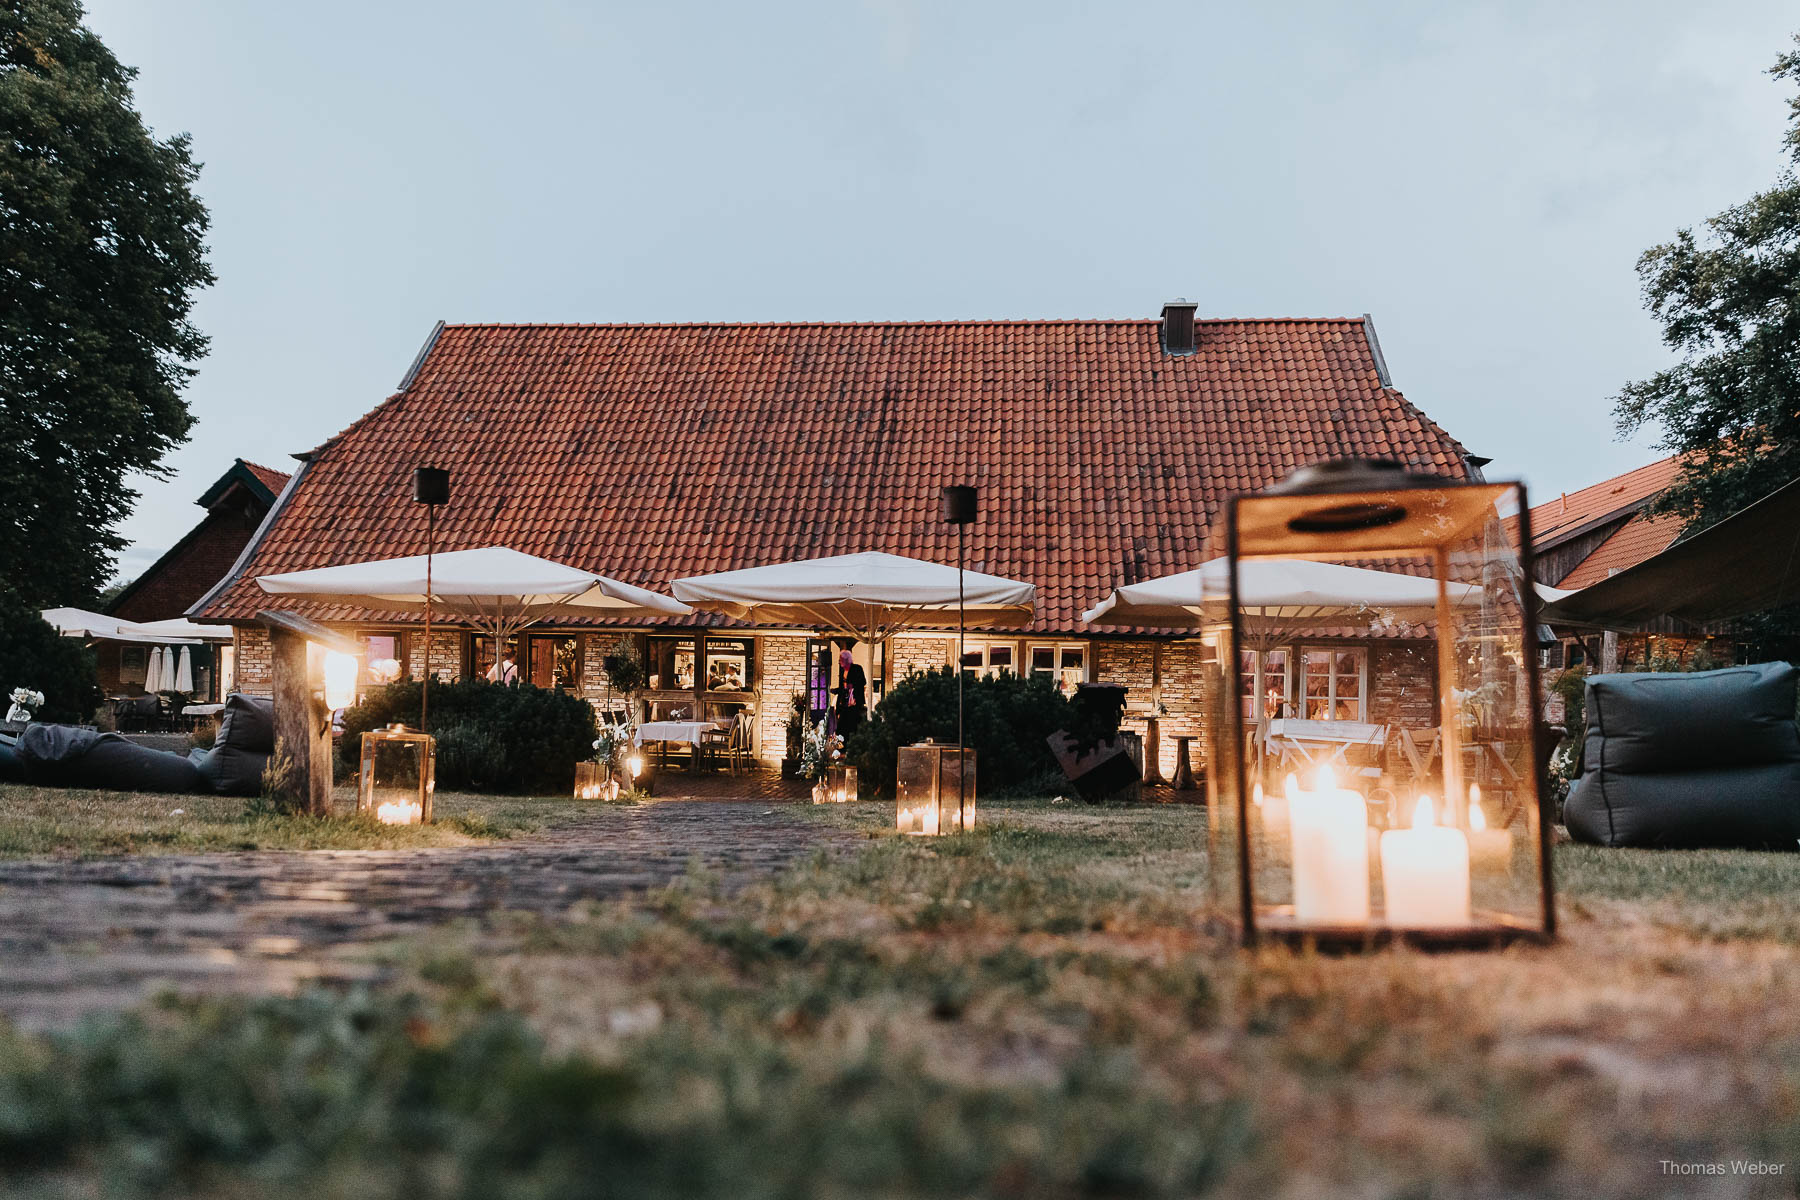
[397,776]
[836,786]
[928,798]
[1397,793]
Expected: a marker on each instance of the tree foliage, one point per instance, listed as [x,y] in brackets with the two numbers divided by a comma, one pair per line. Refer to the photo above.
[101,255]
[1729,304]
[34,656]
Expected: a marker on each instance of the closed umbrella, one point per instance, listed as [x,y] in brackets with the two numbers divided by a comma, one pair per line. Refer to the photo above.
[153,674]
[184,672]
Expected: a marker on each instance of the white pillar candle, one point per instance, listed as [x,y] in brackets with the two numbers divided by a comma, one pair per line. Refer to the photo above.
[1487,847]
[1328,833]
[1425,873]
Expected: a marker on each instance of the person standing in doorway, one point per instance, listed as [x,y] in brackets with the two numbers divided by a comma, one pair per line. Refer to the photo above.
[852,695]
[504,671]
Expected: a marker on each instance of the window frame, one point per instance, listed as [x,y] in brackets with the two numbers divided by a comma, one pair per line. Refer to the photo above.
[1299,699]
[985,647]
[1057,673]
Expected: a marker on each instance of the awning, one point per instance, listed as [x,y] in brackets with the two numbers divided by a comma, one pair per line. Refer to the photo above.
[1747,563]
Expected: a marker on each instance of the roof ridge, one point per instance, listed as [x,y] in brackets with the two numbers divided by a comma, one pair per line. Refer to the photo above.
[929,321]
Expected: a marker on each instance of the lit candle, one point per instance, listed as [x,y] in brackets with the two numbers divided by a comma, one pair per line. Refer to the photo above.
[1328,832]
[1487,847]
[398,812]
[1425,873]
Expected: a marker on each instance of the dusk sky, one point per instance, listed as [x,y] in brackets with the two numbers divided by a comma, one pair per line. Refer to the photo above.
[1480,179]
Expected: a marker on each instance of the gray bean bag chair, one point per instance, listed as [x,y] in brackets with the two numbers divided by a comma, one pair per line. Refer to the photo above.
[234,766]
[66,756]
[1710,758]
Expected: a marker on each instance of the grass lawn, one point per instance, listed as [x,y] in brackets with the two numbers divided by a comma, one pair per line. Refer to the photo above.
[38,822]
[1032,1010]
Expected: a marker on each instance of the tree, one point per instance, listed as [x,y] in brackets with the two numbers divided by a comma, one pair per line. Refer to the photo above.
[1729,303]
[101,255]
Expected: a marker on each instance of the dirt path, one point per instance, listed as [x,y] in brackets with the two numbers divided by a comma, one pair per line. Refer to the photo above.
[81,937]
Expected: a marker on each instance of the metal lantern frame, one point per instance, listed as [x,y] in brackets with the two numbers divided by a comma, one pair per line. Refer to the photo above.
[367,802]
[1358,511]
[836,786]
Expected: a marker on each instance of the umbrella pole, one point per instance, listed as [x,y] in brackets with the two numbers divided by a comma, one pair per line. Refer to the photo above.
[425,686]
[962,751]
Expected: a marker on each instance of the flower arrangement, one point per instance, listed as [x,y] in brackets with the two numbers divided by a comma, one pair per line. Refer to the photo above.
[23,701]
[613,740]
[819,750]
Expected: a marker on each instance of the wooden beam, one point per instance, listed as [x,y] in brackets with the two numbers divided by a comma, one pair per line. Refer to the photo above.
[302,722]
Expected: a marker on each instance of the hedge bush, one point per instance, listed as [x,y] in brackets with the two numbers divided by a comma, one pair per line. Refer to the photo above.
[492,737]
[1007,720]
[33,655]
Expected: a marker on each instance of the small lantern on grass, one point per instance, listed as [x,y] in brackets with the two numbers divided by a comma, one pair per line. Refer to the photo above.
[935,789]
[836,786]
[397,776]
[1353,813]
[595,781]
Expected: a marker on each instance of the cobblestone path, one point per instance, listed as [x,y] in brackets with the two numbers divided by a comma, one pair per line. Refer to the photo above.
[81,937]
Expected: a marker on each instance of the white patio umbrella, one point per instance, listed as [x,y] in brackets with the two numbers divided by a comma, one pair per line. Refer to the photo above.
[497,589]
[866,595]
[93,626]
[1285,589]
[184,672]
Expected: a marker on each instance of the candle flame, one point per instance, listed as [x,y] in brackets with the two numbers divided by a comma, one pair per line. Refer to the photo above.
[1477,818]
[1292,783]
[1424,817]
[1256,794]
[1326,779]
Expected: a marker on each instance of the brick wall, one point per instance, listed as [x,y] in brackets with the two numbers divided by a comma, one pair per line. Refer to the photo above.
[446,654]
[781,663]
[254,663]
[189,571]
[909,654]
[1402,687]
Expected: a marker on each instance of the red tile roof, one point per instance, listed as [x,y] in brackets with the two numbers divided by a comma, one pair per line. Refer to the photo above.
[651,452]
[1629,545]
[271,478]
[1568,514]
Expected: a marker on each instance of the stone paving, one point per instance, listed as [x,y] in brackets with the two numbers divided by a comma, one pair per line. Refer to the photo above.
[90,936]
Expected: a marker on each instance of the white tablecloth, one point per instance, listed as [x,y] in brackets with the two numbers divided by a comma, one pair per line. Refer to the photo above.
[202,710]
[673,731]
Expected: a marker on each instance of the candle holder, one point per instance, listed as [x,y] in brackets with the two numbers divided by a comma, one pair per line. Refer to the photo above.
[397,776]
[934,786]
[1371,692]
[836,786]
[595,781]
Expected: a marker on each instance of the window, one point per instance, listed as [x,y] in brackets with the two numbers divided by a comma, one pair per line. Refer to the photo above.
[671,664]
[1063,665]
[383,657]
[821,660]
[554,662]
[484,659]
[987,659]
[1263,684]
[730,664]
[1332,683]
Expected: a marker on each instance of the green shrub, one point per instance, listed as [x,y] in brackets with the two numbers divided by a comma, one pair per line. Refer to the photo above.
[33,655]
[1007,720]
[491,737]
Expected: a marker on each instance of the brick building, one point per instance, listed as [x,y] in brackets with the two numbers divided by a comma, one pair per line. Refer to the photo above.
[235,505]
[1103,450]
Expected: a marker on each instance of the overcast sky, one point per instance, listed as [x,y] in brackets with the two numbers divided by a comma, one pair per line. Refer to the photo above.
[1480,179]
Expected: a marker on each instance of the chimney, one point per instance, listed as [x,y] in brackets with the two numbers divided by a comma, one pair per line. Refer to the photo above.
[1178,327]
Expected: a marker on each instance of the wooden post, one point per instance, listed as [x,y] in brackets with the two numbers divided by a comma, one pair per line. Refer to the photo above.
[1452,810]
[297,649]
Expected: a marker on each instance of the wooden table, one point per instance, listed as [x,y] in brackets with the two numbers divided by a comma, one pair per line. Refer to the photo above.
[674,731]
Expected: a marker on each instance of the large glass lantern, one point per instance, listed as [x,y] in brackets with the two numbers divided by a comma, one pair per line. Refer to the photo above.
[1372,707]
[397,776]
[935,789]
